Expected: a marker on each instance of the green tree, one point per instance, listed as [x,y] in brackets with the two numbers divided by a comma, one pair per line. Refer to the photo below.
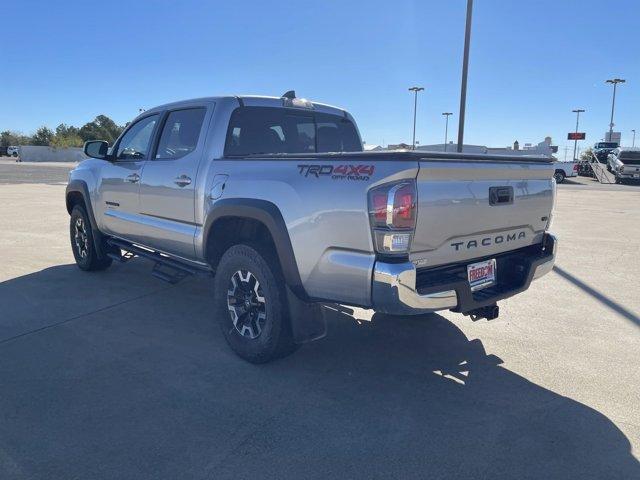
[67,141]
[66,136]
[101,128]
[43,136]
[9,138]
[64,130]
[587,154]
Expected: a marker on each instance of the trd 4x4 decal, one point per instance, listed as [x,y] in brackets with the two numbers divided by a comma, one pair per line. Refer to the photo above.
[338,172]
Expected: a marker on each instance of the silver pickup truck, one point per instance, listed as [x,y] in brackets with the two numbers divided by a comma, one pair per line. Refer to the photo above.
[275,197]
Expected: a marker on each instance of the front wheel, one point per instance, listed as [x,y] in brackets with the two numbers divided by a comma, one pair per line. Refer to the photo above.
[251,306]
[82,243]
[559,176]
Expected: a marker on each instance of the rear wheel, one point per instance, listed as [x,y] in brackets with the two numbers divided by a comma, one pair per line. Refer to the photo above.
[250,303]
[559,175]
[82,242]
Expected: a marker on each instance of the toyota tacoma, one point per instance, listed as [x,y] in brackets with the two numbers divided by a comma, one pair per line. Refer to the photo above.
[275,197]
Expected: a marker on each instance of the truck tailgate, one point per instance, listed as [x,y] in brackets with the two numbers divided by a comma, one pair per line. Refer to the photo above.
[472,209]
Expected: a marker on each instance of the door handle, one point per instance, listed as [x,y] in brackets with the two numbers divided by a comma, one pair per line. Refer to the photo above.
[182,181]
[133,178]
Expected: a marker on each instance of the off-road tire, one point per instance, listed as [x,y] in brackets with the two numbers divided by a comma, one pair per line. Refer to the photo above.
[251,272]
[82,242]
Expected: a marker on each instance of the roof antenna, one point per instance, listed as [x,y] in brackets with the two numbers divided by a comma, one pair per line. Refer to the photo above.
[291,94]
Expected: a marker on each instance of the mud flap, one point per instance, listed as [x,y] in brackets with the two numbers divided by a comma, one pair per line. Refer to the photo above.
[308,320]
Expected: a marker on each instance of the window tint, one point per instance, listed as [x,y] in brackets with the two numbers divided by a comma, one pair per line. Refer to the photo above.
[337,134]
[135,143]
[304,140]
[180,133]
[632,158]
[264,130]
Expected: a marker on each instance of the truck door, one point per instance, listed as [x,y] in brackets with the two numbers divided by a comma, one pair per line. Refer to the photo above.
[119,186]
[167,186]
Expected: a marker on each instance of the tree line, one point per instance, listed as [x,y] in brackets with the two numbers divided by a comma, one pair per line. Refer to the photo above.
[101,128]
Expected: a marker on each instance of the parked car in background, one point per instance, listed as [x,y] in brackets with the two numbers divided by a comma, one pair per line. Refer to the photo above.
[276,197]
[564,170]
[13,151]
[602,149]
[624,163]
[3,151]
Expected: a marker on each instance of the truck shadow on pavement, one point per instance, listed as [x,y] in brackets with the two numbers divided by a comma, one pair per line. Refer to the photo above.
[115,375]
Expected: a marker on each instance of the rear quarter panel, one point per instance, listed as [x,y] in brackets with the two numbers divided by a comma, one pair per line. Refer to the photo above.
[326,215]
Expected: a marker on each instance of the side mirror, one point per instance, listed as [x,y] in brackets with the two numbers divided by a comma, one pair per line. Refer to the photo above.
[97,149]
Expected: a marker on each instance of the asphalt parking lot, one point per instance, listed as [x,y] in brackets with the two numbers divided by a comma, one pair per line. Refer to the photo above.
[118,375]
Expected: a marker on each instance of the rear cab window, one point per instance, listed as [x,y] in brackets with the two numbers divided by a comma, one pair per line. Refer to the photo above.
[630,158]
[269,130]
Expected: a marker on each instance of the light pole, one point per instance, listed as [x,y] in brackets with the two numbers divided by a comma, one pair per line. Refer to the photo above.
[446,128]
[415,90]
[615,82]
[577,111]
[633,143]
[465,70]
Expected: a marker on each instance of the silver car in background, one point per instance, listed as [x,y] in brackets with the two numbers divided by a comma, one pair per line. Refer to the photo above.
[624,163]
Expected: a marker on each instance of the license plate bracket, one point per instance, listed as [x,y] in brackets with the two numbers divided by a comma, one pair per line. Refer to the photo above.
[482,274]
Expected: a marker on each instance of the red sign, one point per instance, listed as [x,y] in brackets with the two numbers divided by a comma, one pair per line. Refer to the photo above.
[576,136]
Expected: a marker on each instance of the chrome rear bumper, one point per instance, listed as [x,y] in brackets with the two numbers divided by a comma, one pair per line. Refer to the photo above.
[395,291]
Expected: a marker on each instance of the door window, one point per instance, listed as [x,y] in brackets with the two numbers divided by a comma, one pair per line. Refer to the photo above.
[180,133]
[136,141]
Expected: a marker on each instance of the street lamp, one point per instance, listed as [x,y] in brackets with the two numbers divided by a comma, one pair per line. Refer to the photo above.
[415,90]
[446,128]
[578,111]
[633,143]
[615,82]
[465,70]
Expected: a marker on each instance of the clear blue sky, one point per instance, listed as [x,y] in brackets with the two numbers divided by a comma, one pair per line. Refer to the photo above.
[532,62]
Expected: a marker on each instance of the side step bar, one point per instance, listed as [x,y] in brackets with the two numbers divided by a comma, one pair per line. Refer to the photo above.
[165,268]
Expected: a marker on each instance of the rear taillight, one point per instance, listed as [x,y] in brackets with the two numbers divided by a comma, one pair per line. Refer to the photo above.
[392,212]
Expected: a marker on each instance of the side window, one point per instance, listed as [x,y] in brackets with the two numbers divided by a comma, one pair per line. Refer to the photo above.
[136,142]
[180,133]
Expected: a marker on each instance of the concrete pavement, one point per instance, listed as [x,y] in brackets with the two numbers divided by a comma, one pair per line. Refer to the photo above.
[118,375]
